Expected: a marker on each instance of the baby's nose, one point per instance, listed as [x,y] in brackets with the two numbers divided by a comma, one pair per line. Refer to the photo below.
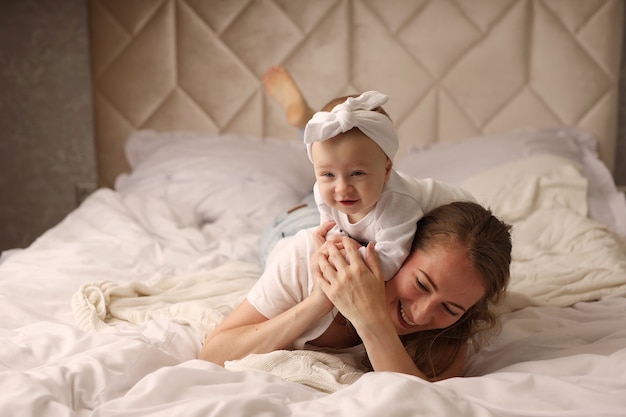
[343,185]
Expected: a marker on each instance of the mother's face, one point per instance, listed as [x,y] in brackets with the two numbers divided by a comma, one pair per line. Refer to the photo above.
[433,289]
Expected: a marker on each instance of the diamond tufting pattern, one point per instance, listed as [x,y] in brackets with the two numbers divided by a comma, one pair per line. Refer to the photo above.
[452,68]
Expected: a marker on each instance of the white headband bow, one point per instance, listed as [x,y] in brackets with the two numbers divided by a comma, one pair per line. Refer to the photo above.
[354,112]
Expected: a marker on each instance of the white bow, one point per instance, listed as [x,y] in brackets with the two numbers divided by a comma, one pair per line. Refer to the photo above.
[355,112]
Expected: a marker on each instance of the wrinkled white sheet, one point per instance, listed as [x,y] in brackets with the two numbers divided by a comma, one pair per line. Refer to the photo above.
[548,360]
[200,300]
[560,256]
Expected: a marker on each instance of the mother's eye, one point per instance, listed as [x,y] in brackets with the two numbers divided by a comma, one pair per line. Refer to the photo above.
[450,311]
[421,285]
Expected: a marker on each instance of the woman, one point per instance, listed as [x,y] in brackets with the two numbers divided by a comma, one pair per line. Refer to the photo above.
[419,322]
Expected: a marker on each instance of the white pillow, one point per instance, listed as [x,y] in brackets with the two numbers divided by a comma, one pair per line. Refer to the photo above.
[204,177]
[454,162]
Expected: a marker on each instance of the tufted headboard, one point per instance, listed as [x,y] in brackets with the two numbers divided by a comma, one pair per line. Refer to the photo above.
[452,68]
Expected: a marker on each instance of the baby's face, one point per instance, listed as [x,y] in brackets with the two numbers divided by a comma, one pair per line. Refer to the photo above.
[351,171]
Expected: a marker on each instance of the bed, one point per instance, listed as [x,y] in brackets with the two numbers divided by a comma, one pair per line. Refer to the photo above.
[104,314]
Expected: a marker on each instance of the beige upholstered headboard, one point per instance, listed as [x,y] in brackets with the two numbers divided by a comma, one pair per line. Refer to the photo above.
[452,68]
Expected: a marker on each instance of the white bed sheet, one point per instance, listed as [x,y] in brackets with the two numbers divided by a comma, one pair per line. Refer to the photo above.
[565,360]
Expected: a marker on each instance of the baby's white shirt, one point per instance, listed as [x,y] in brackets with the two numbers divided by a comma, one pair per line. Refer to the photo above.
[391,224]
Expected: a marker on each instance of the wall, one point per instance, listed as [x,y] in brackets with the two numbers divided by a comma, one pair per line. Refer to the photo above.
[620,154]
[46,129]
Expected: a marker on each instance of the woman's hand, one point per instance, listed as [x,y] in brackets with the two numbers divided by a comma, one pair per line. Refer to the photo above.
[357,288]
[319,235]
[354,285]
[320,243]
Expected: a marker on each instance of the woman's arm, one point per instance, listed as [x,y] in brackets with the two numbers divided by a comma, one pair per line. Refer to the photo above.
[247,331]
[387,353]
[356,288]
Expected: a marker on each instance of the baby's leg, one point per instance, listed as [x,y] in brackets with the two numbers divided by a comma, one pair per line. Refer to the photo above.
[279,85]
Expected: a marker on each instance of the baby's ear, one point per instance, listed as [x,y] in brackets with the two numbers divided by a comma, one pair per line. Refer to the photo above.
[388,168]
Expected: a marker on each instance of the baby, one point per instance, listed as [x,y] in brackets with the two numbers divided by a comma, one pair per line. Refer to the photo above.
[352,143]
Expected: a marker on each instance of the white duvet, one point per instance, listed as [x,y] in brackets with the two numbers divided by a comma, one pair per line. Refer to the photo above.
[560,256]
[104,314]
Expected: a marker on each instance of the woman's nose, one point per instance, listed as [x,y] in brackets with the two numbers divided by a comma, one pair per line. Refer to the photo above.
[421,313]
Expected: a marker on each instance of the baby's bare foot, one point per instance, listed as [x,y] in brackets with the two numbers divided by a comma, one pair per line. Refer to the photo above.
[279,85]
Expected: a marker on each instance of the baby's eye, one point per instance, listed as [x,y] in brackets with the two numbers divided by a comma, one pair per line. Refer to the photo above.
[358,173]
[328,174]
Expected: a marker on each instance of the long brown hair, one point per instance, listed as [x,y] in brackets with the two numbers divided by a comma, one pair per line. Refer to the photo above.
[487,240]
